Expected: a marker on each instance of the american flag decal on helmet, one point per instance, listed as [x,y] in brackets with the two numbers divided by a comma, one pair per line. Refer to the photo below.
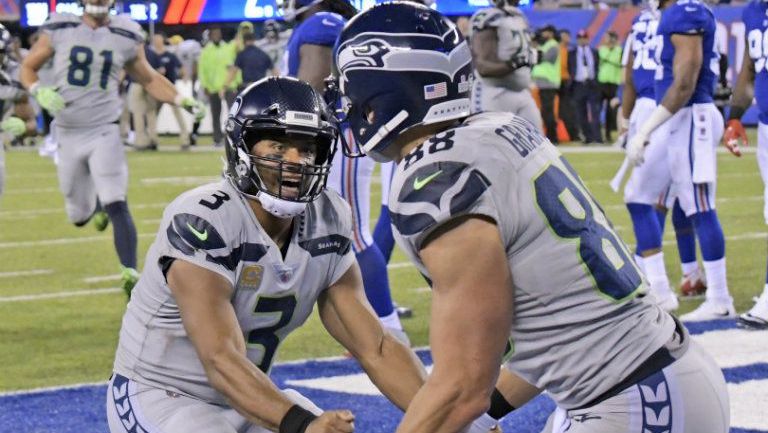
[433,91]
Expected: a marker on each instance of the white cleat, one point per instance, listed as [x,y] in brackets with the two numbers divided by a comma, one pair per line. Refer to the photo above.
[757,317]
[711,310]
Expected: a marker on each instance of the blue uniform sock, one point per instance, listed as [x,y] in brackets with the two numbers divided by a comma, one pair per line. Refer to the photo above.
[661,214]
[711,239]
[382,234]
[646,226]
[375,279]
[123,232]
[685,234]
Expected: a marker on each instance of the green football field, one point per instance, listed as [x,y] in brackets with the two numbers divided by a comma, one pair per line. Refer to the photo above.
[60,308]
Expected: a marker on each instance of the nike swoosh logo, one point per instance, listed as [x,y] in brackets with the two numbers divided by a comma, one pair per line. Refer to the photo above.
[202,236]
[687,9]
[329,23]
[419,183]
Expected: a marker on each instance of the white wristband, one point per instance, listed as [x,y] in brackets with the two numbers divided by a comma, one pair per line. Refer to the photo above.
[660,115]
[178,99]
[33,88]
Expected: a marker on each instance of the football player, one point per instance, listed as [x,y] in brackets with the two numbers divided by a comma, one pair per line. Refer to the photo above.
[17,118]
[518,253]
[688,125]
[88,54]
[239,264]
[503,56]
[753,72]
[308,57]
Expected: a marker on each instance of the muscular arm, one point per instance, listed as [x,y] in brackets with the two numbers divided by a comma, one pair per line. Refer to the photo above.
[314,65]
[392,366]
[153,81]
[629,94]
[484,54]
[744,89]
[469,327]
[40,53]
[24,111]
[685,70]
[203,298]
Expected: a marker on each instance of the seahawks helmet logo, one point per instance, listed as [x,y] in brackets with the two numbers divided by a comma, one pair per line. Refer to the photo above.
[369,55]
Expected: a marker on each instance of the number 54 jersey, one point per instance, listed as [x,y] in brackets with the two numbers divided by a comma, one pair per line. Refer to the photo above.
[581,324]
[213,227]
[86,66]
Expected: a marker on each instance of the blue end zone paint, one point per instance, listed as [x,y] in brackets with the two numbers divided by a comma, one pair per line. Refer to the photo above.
[81,410]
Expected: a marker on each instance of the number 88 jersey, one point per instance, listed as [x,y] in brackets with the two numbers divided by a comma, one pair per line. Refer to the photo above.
[86,66]
[579,327]
[756,21]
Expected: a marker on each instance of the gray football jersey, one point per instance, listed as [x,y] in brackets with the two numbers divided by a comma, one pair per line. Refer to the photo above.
[514,40]
[213,227]
[11,89]
[582,323]
[87,64]
[275,49]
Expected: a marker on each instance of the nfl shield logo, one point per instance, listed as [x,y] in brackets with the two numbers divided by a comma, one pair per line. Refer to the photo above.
[284,272]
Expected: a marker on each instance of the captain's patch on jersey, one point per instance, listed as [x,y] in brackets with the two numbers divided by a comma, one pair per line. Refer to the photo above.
[251,276]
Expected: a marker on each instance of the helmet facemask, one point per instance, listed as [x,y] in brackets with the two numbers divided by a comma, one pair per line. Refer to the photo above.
[97,11]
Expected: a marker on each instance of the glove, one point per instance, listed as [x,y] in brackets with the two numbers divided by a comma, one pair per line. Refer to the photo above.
[48,98]
[734,132]
[636,148]
[14,126]
[193,107]
[622,123]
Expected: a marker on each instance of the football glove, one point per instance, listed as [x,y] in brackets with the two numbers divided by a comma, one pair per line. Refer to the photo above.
[48,98]
[734,132]
[636,148]
[193,107]
[14,126]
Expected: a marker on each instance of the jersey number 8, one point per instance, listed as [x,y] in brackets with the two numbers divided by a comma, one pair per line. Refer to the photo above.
[80,60]
[573,214]
[758,48]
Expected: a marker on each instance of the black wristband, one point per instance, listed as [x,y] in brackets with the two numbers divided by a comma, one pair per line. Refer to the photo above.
[499,405]
[736,112]
[296,420]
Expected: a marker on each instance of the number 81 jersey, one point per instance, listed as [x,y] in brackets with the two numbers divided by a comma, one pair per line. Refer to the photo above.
[755,17]
[214,228]
[86,66]
[579,327]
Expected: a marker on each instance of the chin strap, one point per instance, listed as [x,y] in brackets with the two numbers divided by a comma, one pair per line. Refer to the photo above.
[279,207]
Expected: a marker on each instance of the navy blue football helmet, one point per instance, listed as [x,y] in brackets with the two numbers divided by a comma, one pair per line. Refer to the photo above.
[276,108]
[399,65]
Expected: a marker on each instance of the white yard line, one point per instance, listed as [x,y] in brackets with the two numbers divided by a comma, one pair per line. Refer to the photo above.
[52,389]
[30,191]
[398,265]
[47,211]
[179,180]
[69,294]
[101,279]
[26,273]
[62,241]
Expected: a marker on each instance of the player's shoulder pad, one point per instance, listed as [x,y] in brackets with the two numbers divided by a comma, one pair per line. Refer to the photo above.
[323,21]
[60,21]
[195,219]
[688,17]
[123,25]
[486,18]
[445,183]
[327,225]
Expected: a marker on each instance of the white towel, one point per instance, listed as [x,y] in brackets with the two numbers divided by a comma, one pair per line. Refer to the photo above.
[703,148]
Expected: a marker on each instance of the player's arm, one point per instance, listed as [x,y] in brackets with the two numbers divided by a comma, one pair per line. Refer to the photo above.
[39,54]
[629,94]
[472,308]
[349,318]
[485,45]
[740,102]
[314,65]
[160,87]
[24,111]
[209,318]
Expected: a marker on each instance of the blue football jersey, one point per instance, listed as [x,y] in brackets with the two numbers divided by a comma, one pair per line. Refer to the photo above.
[321,28]
[642,43]
[756,22]
[687,17]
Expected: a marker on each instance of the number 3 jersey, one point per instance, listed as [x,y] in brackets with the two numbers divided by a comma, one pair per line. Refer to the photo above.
[86,66]
[213,227]
[755,17]
[579,327]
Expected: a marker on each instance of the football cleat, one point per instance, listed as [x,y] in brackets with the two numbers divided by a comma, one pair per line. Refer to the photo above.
[711,310]
[100,220]
[693,284]
[757,317]
[128,278]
